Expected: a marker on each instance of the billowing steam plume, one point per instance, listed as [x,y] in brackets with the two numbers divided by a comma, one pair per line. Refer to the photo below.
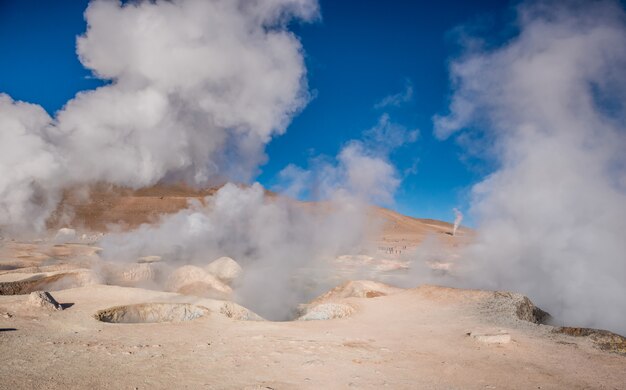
[458,218]
[285,249]
[361,169]
[196,89]
[550,107]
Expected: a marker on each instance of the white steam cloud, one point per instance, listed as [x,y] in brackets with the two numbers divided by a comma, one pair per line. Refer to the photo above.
[361,170]
[27,164]
[549,104]
[197,88]
[458,218]
[285,248]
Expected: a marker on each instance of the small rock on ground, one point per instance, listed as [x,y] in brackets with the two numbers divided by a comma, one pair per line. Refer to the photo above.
[44,300]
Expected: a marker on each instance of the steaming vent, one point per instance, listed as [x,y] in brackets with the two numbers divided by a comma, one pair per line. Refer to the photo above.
[458,218]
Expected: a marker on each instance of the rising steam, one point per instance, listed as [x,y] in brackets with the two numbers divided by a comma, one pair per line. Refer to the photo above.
[361,169]
[285,249]
[196,90]
[550,107]
[458,218]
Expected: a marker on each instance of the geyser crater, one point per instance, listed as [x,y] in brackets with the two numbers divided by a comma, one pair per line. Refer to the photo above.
[151,313]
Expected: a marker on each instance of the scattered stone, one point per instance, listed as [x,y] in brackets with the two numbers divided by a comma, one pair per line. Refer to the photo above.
[492,338]
[225,269]
[527,311]
[509,306]
[44,300]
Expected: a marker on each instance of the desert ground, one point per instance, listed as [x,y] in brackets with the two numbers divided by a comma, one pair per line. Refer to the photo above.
[117,331]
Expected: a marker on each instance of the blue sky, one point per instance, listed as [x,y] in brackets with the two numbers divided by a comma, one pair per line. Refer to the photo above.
[360,52]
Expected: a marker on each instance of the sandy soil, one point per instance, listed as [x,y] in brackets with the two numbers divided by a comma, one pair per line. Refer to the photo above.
[416,338]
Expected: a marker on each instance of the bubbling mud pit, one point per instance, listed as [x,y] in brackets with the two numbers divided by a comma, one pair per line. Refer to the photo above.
[67,266]
[328,306]
[151,312]
[72,265]
[181,312]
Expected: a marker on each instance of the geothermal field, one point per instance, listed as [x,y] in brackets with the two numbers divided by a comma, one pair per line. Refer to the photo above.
[203,320]
[312,194]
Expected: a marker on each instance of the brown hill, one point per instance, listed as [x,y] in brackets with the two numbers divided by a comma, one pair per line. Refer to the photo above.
[101,206]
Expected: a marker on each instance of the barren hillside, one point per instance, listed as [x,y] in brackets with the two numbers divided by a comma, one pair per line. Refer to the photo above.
[99,207]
